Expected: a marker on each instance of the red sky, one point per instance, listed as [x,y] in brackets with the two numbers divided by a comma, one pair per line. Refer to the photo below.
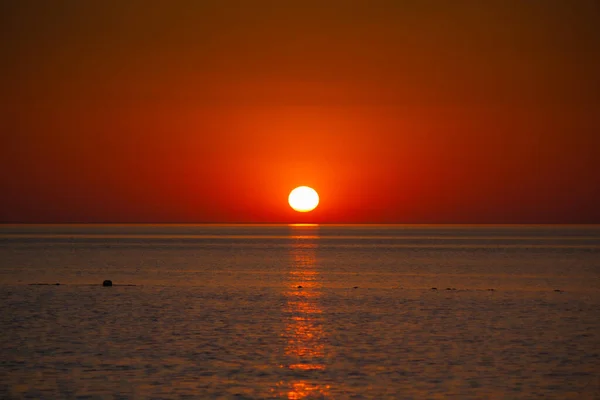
[212,111]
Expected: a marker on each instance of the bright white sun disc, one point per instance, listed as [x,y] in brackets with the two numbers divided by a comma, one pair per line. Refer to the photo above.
[303,199]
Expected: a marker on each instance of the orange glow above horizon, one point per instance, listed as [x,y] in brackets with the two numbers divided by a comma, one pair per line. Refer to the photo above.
[397,114]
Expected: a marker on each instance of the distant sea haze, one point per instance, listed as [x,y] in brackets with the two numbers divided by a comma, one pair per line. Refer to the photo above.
[300,311]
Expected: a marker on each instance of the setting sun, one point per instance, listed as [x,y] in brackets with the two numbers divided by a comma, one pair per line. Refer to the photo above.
[303,199]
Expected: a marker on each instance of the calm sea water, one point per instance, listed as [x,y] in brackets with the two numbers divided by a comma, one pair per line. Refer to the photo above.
[238,311]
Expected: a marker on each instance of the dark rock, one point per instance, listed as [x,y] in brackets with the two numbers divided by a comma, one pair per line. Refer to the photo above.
[299,286]
[355,287]
[107,283]
[558,290]
[433,288]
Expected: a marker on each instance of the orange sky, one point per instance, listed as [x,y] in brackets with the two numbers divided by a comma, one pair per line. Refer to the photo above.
[212,111]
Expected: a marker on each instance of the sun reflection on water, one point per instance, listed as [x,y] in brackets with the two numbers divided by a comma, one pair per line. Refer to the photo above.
[305,349]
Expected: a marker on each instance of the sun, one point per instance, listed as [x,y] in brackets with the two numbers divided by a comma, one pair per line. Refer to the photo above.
[303,199]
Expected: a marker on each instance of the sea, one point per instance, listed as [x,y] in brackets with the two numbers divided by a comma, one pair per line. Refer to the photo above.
[300,311]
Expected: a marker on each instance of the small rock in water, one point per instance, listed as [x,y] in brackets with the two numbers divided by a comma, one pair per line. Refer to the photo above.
[558,290]
[491,290]
[57,284]
[433,288]
[299,286]
[355,287]
[107,283]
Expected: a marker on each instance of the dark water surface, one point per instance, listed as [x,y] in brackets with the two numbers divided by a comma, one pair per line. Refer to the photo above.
[277,311]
